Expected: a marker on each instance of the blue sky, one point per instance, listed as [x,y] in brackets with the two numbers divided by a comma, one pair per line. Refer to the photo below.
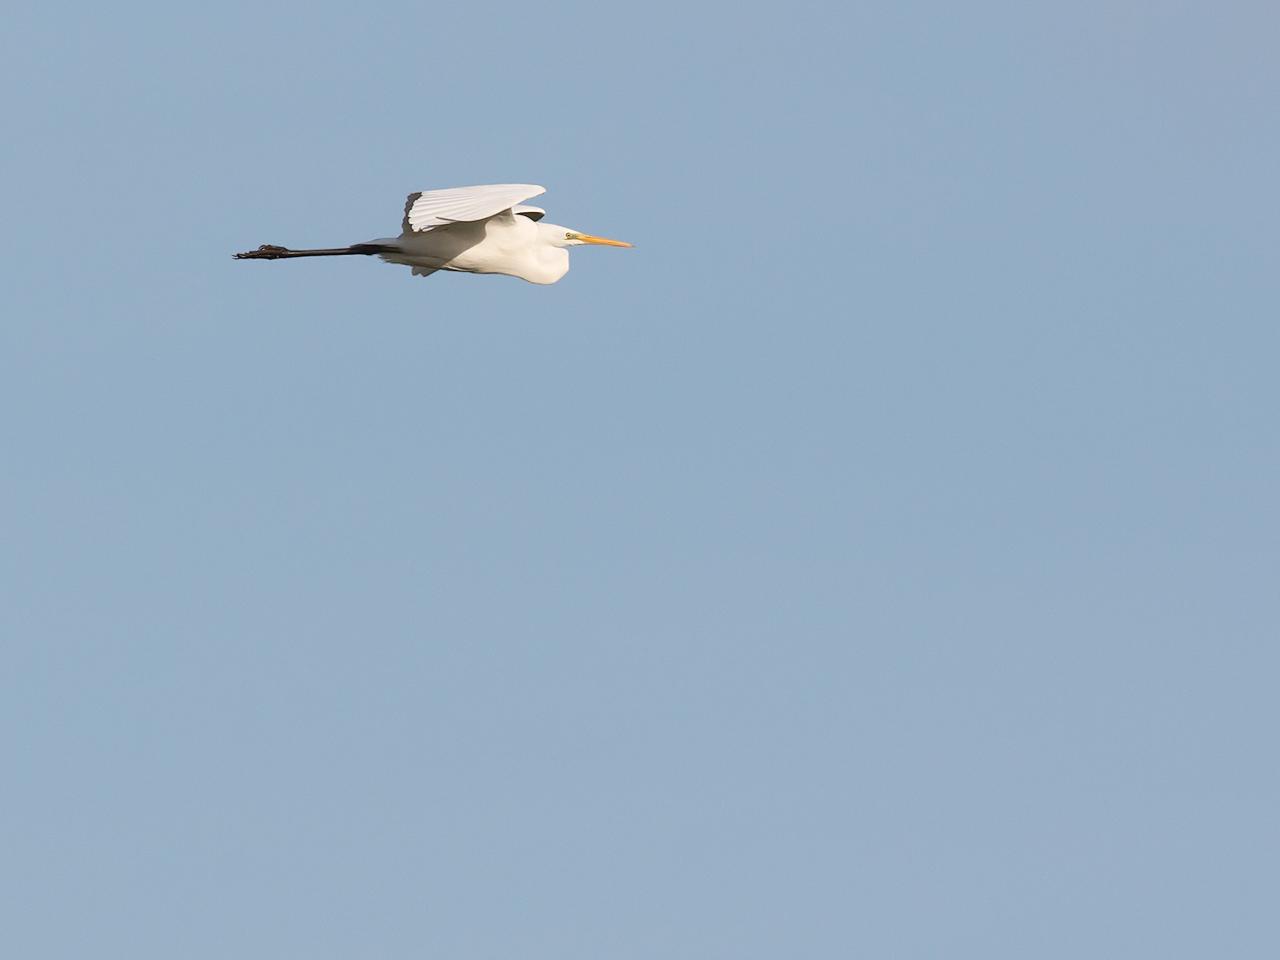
[878,560]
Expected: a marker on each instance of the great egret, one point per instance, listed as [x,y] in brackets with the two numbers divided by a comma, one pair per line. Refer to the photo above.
[485,229]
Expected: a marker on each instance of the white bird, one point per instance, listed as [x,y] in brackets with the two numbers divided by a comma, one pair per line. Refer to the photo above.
[484,229]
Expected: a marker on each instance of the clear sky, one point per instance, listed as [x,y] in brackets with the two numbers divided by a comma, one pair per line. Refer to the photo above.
[882,559]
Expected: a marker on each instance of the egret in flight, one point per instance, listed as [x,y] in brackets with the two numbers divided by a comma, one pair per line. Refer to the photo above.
[486,229]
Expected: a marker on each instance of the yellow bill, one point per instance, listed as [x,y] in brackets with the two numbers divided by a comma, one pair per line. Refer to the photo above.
[605,241]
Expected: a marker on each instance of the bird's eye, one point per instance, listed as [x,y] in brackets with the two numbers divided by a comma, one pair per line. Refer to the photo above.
[568,236]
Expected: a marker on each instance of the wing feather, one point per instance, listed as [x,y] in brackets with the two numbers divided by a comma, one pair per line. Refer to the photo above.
[437,208]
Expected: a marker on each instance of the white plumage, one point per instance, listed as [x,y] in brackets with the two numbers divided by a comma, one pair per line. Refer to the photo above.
[480,229]
[438,208]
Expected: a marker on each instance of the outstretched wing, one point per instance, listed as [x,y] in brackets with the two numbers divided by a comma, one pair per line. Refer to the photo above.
[438,208]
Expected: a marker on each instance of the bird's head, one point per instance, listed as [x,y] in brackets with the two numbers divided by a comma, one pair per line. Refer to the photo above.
[559,236]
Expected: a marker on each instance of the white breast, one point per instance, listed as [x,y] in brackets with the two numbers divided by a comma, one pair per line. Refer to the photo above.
[503,244]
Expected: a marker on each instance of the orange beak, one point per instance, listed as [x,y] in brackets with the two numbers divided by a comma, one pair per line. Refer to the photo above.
[604,241]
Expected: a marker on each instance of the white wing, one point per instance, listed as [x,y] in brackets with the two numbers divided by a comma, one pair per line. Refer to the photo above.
[436,208]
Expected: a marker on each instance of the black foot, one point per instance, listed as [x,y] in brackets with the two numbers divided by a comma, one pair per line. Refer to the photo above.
[265,252]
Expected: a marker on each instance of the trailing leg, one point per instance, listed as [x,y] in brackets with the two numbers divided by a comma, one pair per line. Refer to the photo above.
[271,252]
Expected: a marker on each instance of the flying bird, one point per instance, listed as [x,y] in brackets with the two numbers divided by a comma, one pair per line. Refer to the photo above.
[484,229]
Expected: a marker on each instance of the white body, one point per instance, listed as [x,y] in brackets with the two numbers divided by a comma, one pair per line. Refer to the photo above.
[484,229]
[509,243]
